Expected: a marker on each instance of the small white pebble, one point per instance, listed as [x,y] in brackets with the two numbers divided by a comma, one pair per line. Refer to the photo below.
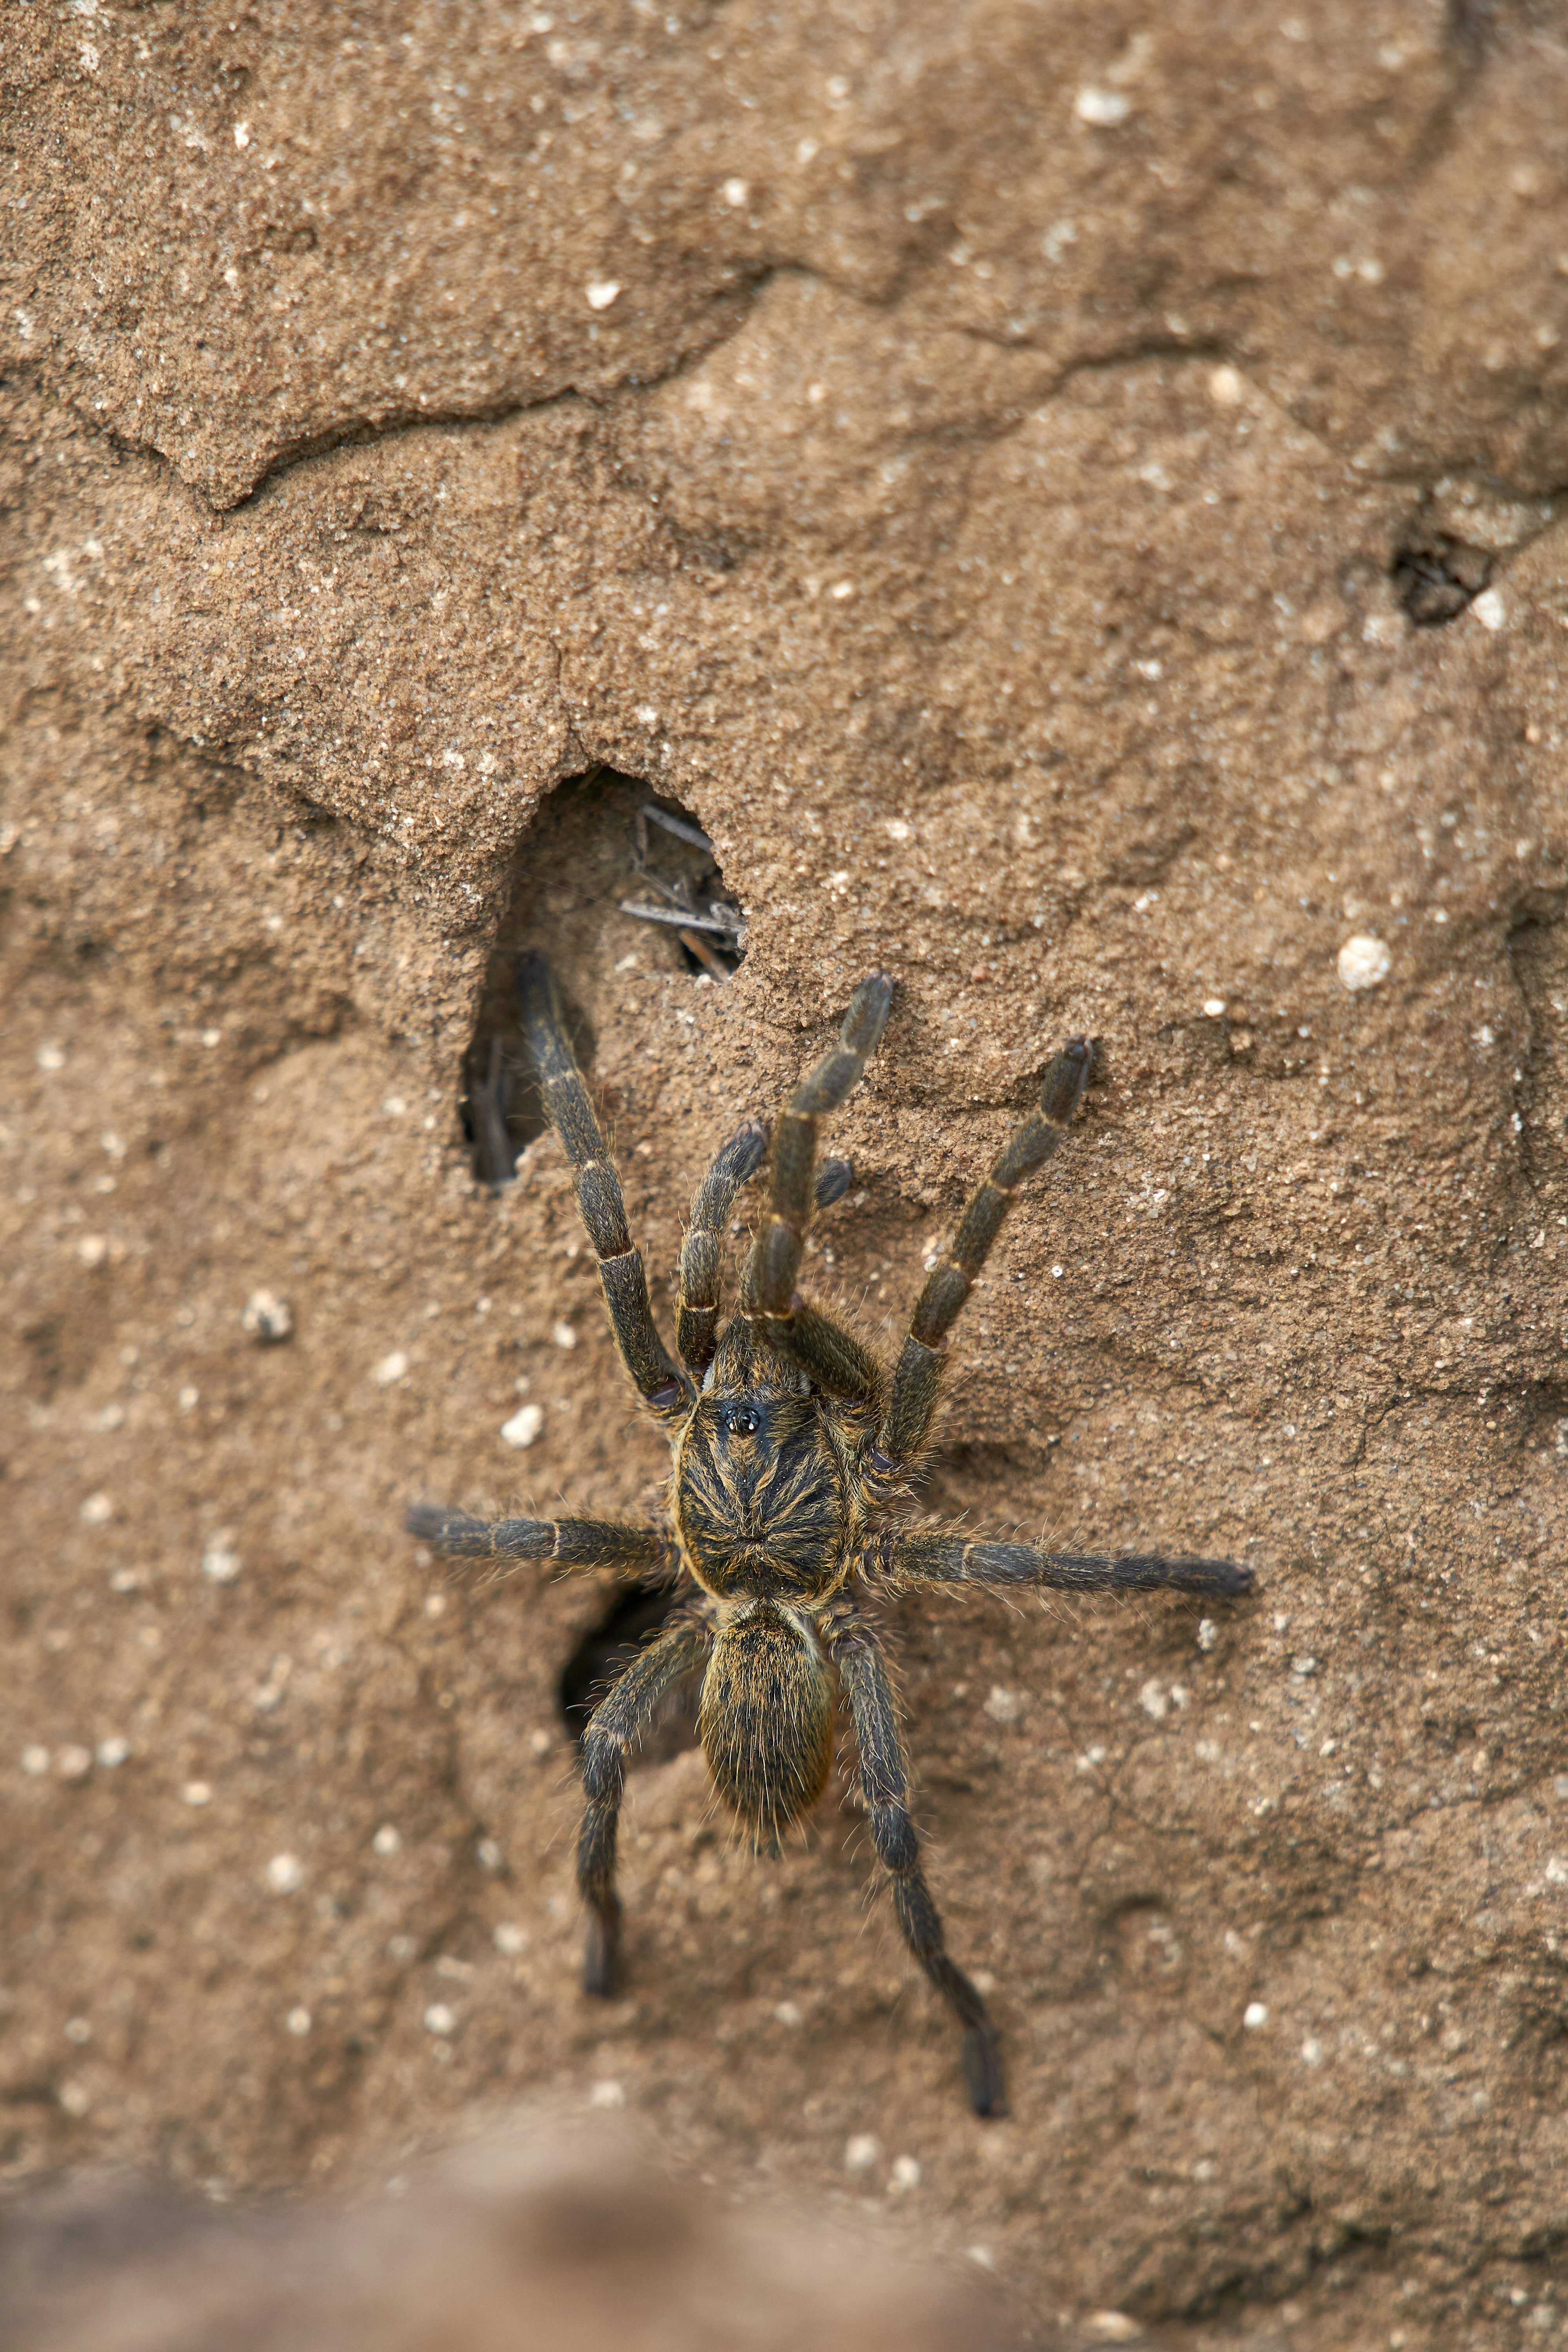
[789,2012]
[1225,386]
[1102,108]
[736,192]
[73,1763]
[220,1561]
[1208,1632]
[440,2019]
[267,1318]
[906,2174]
[1560,1787]
[1490,610]
[524,1425]
[387,1840]
[285,1874]
[74,2099]
[96,1512]
[895,829]
[488,1855]
[510,1938]
[50,1057]
[1154,1701]
[34,1759]
[390,1367]
[211,1037]
[607,2094]
[563,1335]
[861,2152]
[77,2030]
[1213,1007]
[1057,1272]
[189,1398]
[92,1249]
[242,136]
[298,2020]
[601,292]
[1112,2327]
[1313,2051]
[113,1753]
[983,2256]
[196,1792]
[1003,1706]
[540,1743]
[1304,1666]
[1255,2016]
[1363,961]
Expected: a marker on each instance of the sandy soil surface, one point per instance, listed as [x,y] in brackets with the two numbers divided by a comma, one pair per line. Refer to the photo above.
[1071,500]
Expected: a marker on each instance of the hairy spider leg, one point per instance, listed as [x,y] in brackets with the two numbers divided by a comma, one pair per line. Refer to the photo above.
[919,1369]
[599,1201]
[911,1557]
[622,1716]
[697,1323]
[560,1543]
[883,1781]
[833,1357]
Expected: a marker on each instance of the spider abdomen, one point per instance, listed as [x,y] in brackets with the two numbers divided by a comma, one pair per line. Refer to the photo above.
[766,1719]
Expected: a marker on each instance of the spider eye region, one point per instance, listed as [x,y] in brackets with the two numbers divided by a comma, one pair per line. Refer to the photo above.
[742,1420]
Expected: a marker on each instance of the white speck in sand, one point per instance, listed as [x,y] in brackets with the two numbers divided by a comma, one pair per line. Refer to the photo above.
[1213,1007]
[285,1874]
[440,2019]
[389,1369]
[267,1318]
[96,1511]
[113,1753]
[1490,609]
[1363,961]
[196,1792]
[298,2020]
[1104,109]
[510,1938]
[607,2094]
[1255,2016]
[34,1759]
[220,1561]
[1154,1701]
[736,192]
[563,1336]
[789,2012]
[524,1425]
[387,1841]
[1225,386]
[50,1057]
[861,2152]
[601,292]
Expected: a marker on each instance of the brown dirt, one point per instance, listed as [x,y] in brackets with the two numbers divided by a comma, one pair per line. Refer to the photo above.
[986,503]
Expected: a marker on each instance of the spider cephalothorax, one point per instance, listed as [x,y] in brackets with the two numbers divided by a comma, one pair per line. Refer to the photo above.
[791,1446]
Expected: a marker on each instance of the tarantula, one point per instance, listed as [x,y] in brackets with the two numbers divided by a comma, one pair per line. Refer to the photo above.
[791,1446]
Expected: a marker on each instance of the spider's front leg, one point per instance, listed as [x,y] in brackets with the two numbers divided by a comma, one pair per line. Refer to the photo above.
[599,1199]
[884,1782]
[622,1718]
[911,1558]
[918,1371]
[558,1543]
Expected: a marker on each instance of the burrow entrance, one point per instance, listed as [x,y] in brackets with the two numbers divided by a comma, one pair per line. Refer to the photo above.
[635,1615]
[609,873]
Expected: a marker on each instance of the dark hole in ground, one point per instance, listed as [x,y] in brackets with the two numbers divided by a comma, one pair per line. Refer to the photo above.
[1435,575]
[601,843]
[633,1616]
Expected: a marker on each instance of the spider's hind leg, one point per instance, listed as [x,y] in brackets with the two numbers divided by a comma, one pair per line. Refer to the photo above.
[885,1784]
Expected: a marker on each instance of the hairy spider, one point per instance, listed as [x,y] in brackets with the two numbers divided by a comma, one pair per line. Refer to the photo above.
[791,1447]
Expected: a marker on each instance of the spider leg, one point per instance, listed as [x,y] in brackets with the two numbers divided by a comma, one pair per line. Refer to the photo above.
[919,1368]
[829,1354]
[560,1543]
[599,1199]
[948,1556]
[696,1324]
[885,1783]
[632,1701]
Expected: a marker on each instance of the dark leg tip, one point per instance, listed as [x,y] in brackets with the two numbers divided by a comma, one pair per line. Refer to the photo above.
[1062,1088]
[530,974]
[983,2072]
[833,1180]
[602,1957]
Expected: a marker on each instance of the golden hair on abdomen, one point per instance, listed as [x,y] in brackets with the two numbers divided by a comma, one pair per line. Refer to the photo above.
[766,1721]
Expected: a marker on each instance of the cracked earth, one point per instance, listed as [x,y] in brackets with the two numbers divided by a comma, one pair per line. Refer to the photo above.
[1073,502]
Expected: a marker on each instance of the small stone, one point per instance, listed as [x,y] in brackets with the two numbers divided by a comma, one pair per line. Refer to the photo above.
[607,2094]
[34,1759]
[92,1249]
[74,2099]
[905,2175]
[440,2019]
[285,1874]
[389,1369]
[1208,1632]
[861,2152]
[736,192]
[789,2012]
[96,1512]
[73,1763]
[564,1336]
[1490,609]
[268,1319]
[1225,386]
[387,1841]
[50,1057]
[297,2021]
[1255,2016]
[488,1855]
[220,1561]
[510,1938]
[1363,961]
[524,1425]
[1213,1007]
[1112,2327]
[113,1753]
[1003,1706]
[78,2031]
[601,292]
[1104,109]
[196,1792]
[1154,1701]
